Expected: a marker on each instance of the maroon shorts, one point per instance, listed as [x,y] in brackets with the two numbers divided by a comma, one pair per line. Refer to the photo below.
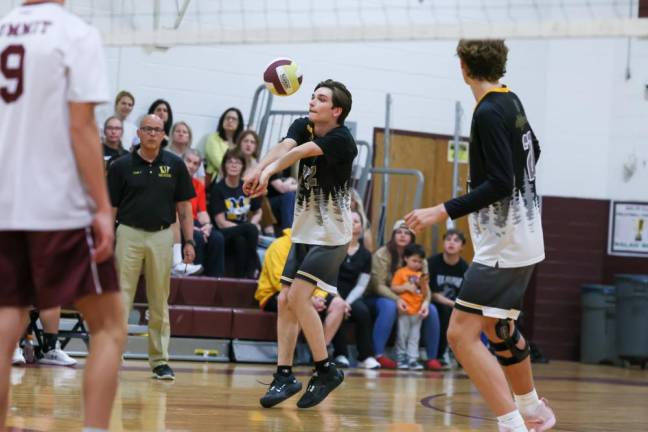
[51,268]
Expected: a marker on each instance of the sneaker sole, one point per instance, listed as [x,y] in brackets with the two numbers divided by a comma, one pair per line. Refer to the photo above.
[270,404]
[164,377]
[300,405]
[56,363]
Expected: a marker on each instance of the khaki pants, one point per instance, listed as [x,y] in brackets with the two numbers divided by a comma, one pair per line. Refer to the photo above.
[153,250]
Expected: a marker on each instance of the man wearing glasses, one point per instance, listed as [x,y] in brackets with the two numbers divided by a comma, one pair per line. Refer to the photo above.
[147,187]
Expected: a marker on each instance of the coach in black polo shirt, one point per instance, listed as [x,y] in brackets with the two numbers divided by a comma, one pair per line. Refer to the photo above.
[147,187]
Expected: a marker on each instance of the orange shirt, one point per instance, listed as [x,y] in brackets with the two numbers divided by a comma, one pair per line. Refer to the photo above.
[199,202]
[413,301]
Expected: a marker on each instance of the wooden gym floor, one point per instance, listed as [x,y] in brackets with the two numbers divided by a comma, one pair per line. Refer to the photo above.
[224,397]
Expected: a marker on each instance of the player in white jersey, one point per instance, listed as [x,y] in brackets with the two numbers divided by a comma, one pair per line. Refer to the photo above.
[56,225]
[505,226]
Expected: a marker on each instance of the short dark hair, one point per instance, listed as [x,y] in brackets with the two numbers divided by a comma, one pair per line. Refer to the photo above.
[122,94]
[341,97]
[453,231]
[232,154]
[112,118]
[484,59]
[414,249]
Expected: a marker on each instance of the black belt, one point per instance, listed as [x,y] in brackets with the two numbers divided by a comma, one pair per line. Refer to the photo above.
[149,228]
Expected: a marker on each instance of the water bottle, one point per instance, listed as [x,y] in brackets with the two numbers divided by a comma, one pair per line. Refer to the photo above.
[28,349]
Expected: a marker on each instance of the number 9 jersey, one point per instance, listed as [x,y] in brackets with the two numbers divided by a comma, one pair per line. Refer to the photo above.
[502,201]
[48,58]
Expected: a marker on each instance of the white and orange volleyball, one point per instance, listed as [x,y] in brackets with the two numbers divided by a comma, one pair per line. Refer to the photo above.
[282,77]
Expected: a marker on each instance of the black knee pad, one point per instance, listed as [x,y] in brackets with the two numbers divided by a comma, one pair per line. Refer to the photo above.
[509,343]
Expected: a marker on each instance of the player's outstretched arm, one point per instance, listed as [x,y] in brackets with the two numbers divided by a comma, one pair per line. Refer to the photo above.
[88,155]
[306,150]
[421,218]
[251,180]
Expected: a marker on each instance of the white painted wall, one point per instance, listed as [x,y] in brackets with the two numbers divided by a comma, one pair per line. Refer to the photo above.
[588,117]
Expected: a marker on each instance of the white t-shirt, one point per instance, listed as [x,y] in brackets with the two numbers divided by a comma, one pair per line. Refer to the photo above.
[49,57]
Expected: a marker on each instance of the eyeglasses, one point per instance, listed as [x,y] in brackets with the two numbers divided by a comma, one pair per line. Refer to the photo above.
[115,128]
[234,162]
[151,130]
[230,118]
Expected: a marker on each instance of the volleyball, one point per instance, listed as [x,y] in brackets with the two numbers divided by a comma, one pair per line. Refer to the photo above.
[282,77]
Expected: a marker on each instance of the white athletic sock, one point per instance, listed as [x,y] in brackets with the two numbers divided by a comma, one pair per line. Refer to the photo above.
[177,253]
[513,421]
[527,403]
[89,429]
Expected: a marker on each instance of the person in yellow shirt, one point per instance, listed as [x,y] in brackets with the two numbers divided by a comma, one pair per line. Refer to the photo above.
[330,307]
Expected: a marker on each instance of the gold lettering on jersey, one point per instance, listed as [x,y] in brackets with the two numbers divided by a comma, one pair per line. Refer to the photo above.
[137,172]
[165,171]
[311,133]
[24,28]
[521,121]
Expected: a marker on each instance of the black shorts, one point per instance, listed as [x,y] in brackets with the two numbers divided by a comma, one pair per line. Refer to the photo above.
[316,264]
[51,268]
[272,304]
[494,292]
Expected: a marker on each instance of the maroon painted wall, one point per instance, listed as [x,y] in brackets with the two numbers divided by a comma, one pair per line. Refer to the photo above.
[575,232]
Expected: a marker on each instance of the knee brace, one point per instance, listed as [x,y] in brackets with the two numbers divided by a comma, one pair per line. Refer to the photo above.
[509,343]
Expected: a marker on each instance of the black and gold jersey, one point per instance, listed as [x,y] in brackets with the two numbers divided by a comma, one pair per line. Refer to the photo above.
[502,201]
[323,204]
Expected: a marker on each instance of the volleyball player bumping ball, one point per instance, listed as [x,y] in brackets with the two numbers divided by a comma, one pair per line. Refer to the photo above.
[506,230]
[56,224]
[321,228]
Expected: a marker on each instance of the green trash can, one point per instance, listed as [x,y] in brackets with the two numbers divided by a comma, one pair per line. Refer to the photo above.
[598,326]
[632,317]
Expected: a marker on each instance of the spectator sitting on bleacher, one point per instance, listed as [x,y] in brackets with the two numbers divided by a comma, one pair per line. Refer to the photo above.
[113,131]
[214,145]
[353,279]
[210,244]
[162,109]
[124,103]
[330,308]
[446,276]
[236,216]
[181,139]
[248,145]
[384,303]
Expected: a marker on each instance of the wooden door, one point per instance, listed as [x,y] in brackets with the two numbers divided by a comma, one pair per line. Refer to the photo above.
[429,154]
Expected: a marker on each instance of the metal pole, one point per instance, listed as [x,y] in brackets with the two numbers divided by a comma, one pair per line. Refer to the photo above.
[455,166]
[385,192]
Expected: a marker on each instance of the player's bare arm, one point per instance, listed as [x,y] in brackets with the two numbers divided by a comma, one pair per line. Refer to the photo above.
[186,225]
[89,159]
[421,218]
[251,180]
[306,150]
